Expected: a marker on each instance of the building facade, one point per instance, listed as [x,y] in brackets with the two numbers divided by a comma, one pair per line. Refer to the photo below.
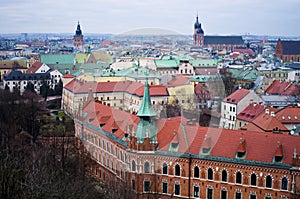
[171,158]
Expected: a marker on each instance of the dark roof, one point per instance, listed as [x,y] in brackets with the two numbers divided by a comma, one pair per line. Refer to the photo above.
[223,40]
[290,47]
[18,75]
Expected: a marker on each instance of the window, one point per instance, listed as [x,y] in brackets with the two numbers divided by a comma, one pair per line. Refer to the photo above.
[269,181]
[268,197]
[133,166]
[196,172]
[209,193]
[238,177]
[224,176]
[284,184]
[238,195]
[252,196]
[133,184]
[147,167]
[177,170]
[210,174]
[196,191]
[224,194]
[146,186]
[165,168]
[165,187]
[253,179]
[177,189]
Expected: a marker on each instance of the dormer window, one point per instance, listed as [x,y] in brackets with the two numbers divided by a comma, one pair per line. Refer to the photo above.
[278,157]
[206,146]
[241,151]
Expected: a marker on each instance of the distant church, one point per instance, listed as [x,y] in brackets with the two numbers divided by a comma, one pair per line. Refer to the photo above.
[78,39]
[216,42]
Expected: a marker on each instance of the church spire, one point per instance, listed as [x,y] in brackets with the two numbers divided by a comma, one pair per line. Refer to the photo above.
[78,30]
[146,108]
[147,128]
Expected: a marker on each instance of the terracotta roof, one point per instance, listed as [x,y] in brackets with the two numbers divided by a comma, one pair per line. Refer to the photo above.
[266,123]
[250,112]
[236,96]
[178,80]
[289,114]
[224,143]
[68,75]
[34,67]
[283,88]
[134,88]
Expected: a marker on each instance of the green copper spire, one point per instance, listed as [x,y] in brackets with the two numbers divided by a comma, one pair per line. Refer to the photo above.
[147,125]
[146,108]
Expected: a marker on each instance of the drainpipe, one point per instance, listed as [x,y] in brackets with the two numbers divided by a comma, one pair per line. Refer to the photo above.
[189,188]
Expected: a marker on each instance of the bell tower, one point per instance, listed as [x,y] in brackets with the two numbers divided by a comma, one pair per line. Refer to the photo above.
[78,39]
[198,34]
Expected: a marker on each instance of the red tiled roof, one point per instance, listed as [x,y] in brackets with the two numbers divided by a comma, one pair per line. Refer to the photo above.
[179,80]
[283,88]
[225,143]
[250,112]
[68,75]
[134,88]
[289,114]
[34,67]
[265,123]
[236,96]
[77,86]
[244,50]
[154,90]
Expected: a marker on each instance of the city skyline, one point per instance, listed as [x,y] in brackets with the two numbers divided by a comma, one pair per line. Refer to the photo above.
[116,17]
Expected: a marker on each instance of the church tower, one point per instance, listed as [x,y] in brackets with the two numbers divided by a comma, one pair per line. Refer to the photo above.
[144,139]
[198,34]
[78,39]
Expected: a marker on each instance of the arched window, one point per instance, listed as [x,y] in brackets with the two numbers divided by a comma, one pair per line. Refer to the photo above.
[269,181]
[146,167]
[133,166]
[196,172]
[238,177]
[253,179]
[284,184]
[165,168]
[224,175]
[177,170]
[210,174]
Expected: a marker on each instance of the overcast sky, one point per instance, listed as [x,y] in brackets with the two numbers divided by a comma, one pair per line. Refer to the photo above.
[223,17]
